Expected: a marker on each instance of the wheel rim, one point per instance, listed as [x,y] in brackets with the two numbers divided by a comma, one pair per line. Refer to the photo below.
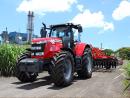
[89,64]
[67,69]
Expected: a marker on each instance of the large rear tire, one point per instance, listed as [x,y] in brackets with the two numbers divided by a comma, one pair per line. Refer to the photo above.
[87,64]
[62,68]
[25,76]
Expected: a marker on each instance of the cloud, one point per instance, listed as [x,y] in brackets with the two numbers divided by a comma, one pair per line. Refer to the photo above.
[88,19]
[80,7]
[43,6]
[122,11]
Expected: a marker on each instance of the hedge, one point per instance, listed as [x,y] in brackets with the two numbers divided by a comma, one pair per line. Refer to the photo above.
[8,57]
[126,70]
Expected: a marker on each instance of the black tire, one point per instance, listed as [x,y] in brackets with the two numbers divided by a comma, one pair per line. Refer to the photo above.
[87,64]
[25,76]
[61,69]
[108,66]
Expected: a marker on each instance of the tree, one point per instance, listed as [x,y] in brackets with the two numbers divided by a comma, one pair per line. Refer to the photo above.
[108,51]
[124,52]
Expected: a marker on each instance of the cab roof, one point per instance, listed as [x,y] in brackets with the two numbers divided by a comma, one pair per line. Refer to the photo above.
[71,25]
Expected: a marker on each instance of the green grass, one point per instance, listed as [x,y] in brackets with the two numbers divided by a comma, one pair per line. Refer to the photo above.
[8,57]
[126,71]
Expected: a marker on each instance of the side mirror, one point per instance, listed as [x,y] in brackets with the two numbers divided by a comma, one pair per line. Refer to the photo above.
[44,26]
[43,31]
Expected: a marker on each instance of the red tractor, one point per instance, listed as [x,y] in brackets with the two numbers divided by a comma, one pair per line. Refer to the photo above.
[101,60]
[60,52]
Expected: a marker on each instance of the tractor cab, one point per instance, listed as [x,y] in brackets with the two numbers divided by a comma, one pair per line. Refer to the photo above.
[68,33]
[65,30]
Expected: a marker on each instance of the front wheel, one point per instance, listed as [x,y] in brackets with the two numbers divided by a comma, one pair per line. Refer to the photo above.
[62,69]
[87,64]
[25,76]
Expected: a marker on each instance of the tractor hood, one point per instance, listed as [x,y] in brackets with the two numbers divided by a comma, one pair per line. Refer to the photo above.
[45,40]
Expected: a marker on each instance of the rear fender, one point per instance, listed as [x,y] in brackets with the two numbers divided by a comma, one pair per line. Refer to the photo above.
[79,49]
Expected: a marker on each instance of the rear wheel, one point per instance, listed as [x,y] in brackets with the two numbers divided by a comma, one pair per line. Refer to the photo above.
[25,76]
[86,71]
[62,69]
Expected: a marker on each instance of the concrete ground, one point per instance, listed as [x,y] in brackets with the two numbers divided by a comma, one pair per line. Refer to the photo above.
[103,84]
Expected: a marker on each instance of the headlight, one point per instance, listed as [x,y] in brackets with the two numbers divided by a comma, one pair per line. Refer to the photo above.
[36,48]
[37,54]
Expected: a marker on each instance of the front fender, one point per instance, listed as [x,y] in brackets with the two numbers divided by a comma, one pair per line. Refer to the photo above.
[79,49]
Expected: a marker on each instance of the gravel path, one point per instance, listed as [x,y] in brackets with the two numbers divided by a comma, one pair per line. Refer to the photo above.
[103,84]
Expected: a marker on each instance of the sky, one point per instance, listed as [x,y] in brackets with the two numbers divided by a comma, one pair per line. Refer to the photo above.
[103,21]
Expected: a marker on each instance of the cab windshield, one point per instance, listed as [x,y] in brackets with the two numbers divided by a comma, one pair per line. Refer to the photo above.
[65,31]
[59,32]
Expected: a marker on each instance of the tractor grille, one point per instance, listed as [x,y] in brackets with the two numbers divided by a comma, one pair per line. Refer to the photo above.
[37,49]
